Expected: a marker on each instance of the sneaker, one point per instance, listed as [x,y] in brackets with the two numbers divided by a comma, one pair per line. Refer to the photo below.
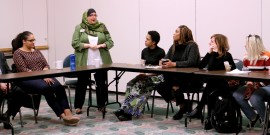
[178,116]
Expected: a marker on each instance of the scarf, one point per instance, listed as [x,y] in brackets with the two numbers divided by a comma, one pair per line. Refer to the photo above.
[91,29]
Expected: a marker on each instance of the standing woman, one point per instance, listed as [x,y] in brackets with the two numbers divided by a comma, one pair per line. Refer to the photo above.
[255,92]
[183,53]
[28,59]
[214,60]
[91,40]
[140,88]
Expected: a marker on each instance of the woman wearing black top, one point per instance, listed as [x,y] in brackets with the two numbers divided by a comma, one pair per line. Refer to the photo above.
[140,88]
[214,60]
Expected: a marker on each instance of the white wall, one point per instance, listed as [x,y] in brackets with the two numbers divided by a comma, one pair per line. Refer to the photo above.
[19,15]
[53,23]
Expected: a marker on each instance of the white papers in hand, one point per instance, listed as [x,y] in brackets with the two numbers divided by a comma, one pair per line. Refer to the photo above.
[236,71]
[93,54]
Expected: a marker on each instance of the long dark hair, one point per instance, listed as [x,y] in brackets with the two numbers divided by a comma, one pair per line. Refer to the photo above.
[17,42]
[185,36]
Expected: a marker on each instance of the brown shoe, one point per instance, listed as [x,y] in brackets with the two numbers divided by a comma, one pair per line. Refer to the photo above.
[71,121]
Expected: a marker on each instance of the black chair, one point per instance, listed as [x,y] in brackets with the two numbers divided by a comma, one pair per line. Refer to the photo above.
[192,92]
[238,63]
[153,104]
[2,114]
[33,99]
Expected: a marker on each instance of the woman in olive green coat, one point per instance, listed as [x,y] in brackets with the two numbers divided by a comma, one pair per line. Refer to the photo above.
[91,40]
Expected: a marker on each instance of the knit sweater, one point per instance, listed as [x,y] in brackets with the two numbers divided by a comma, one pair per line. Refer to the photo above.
[185,55]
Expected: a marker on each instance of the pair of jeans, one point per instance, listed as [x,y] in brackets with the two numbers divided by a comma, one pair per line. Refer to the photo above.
[54,94]
[257,100]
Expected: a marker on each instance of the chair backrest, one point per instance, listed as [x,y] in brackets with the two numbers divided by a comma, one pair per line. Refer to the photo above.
[66,62]
[238,63]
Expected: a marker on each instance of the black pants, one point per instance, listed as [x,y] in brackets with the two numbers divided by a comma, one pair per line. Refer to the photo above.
[184,83]
[54,94]
[101,89]
[213,89]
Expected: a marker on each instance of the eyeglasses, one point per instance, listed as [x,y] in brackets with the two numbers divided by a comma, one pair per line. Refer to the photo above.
[31,40]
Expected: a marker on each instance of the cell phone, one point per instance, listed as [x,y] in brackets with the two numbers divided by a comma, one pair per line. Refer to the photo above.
[163,61]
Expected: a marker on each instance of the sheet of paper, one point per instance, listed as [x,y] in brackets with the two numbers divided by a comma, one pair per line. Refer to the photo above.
[93,54]
[236,71]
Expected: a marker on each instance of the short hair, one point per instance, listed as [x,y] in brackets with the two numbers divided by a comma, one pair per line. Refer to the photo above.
[222,43]
[154,36]
[254,47]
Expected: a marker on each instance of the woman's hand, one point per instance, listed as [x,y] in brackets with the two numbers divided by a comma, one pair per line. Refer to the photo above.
[49,81]
[46,68]
[168,64]
[101,46]
[4,88]
[94,47]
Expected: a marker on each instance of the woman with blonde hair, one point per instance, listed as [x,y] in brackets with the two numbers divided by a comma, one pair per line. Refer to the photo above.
[256,57]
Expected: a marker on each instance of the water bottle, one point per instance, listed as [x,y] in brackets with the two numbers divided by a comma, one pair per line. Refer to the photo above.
[72,62]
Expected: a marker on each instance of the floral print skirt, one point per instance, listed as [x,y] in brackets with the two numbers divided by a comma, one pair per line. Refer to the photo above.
[137,93]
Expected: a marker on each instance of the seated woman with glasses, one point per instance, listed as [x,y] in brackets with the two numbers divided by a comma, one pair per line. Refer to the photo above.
[28,59]
[140,88]
[257,57]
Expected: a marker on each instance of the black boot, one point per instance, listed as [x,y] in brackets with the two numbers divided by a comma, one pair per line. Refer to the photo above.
[119,112]
[207,124]
[125,117]
[6,121]
[196,113]
[178,115]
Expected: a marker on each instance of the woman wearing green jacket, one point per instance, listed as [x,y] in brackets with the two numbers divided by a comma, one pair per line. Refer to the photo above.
[91,40]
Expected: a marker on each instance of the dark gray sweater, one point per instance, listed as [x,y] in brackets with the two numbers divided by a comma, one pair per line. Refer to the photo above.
[185,55]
